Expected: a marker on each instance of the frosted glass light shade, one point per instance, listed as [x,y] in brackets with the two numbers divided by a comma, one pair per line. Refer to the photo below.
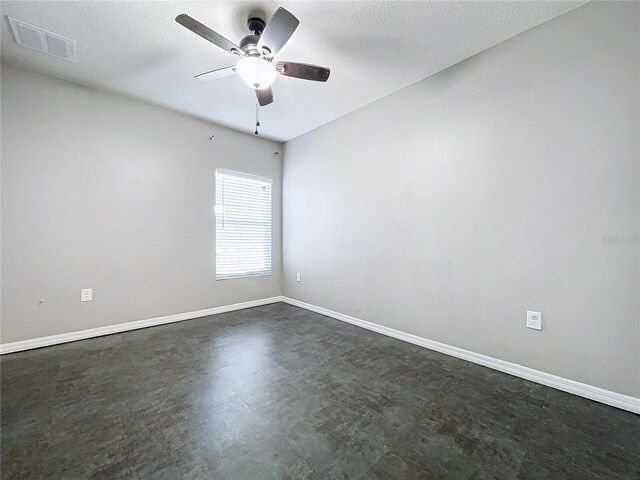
[256,72]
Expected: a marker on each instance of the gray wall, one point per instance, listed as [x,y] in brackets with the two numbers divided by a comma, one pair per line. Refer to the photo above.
[451,207]
[101,191]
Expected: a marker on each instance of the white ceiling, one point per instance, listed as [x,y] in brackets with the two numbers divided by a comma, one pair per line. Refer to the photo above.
[373,48]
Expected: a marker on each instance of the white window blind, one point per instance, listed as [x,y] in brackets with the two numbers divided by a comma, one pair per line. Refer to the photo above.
[243,225]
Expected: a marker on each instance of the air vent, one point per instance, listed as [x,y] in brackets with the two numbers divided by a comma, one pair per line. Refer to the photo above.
[43,41]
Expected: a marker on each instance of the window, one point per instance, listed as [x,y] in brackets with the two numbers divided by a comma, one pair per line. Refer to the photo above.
[243,225]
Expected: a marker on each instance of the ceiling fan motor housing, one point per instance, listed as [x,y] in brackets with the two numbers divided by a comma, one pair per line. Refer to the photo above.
[249,40]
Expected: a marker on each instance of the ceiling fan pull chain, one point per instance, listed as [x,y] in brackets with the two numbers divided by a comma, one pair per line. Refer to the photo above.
[257,117]
[257,114]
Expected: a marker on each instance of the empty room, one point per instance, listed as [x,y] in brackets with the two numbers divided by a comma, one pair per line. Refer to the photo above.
[320,240]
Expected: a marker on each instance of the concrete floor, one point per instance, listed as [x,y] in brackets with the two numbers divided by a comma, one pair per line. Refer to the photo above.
[280,392]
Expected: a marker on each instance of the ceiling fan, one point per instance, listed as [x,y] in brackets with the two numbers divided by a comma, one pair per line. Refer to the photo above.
[256,51]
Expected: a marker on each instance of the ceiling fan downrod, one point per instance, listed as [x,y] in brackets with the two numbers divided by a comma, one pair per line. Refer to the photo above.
[256,25]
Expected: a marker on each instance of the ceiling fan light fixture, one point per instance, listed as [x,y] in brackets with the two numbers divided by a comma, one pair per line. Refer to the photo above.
[256,72]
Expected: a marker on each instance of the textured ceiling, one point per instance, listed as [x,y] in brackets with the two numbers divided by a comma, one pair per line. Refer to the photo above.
[372,48]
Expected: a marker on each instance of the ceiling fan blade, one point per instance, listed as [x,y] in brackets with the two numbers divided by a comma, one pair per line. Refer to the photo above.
[278,30]
[303,70]
[265,96]
[216,74]
[206,33]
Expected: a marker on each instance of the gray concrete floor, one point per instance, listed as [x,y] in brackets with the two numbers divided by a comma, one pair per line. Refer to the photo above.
[280,392]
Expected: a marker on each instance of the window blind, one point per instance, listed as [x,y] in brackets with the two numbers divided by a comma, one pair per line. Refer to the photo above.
[243,225]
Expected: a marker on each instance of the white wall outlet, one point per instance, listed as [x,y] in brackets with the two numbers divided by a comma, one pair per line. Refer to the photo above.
[86,294]
[534,320]
[297,277]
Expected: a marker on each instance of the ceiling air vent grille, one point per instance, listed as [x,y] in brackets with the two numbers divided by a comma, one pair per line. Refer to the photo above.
[42,40]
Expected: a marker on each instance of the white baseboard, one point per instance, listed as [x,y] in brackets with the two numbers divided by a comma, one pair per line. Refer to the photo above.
[624,402]
[123,327]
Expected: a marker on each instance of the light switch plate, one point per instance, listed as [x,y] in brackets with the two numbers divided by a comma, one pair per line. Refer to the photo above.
[86,294]
[534,320]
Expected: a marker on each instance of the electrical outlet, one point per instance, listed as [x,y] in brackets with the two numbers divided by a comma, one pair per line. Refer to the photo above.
[297,277]
[86,294]
[534,320]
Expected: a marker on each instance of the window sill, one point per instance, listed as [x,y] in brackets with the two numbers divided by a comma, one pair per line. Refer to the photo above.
[247,275]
